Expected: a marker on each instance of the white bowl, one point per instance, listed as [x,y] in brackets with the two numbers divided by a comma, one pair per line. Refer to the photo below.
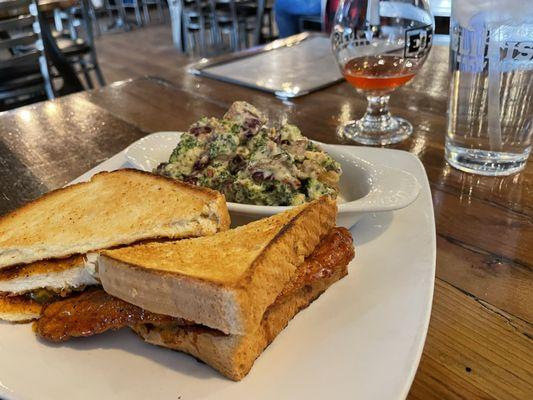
[365,187]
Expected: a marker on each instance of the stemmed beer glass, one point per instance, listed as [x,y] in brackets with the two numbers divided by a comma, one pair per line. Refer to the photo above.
[380,45]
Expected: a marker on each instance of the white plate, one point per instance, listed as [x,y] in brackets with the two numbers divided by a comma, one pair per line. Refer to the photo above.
[365,186]
[362,339]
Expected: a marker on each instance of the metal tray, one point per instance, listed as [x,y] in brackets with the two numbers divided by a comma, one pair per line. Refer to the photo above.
[290,67]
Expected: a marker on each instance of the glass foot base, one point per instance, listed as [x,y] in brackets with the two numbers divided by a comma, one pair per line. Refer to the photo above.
[482,162]
[361,131]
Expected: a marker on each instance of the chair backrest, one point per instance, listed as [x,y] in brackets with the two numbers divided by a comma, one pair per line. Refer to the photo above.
[21,43]
[226,8]
[233,6]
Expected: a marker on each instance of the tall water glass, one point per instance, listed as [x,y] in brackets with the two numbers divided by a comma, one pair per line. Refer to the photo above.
[490,110]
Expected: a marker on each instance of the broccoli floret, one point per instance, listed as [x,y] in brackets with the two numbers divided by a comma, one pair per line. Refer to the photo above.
[222,146]
[316,189]
[186,143]
[330,164]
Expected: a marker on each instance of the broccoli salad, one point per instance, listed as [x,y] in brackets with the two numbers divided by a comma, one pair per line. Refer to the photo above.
[251,162]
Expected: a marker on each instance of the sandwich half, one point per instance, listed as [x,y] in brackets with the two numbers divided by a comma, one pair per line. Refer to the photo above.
[225,281]
[227,302]
[112,209]
[48,247]
[234,355]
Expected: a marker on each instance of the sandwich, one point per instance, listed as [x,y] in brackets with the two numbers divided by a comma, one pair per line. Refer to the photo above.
[221,298]
[48,247]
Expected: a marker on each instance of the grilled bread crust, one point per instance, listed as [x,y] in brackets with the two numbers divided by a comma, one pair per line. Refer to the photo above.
[113,208]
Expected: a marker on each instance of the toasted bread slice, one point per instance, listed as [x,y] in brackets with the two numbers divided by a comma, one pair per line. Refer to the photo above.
[64,274]
[113,208]
[225,281]
[19,309]
[234,355]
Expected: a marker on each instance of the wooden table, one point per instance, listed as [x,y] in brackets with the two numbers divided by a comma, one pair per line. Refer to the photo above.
[479,343]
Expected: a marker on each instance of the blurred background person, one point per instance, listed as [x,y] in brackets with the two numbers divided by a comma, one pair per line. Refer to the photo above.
[289,12]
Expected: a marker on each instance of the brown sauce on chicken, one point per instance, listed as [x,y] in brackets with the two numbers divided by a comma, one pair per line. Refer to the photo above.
[90,313]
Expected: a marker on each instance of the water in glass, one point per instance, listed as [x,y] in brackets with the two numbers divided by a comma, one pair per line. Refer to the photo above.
[490,111]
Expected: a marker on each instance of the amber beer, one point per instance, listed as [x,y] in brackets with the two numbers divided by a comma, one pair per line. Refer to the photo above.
[380,75]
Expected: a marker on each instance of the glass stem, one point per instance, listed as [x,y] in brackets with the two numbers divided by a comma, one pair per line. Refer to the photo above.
[377,110]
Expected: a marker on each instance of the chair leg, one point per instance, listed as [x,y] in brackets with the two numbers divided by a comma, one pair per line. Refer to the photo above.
[176,24]
[94,20]
[160,11]
[245,36]
[189,41]
[94,61]
[203,46]
[233,40]
[57,20]
[270,26]
[85,72]
[146,13]
[184,33]
[241,36]
[192,42]
[97,27]
[122,17]
[99,75]
[236,39]
[72,27]
[108,9]
[48,86]
[137,9]
[215,41]
[225,40]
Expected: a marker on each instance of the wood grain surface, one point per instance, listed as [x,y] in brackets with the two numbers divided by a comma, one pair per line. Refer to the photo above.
[479,344]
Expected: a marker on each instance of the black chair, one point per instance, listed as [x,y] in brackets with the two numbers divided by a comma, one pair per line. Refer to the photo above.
[198,26]
[239,19]
[146,12]
[136,5]
[201,26]
[78,48]
[120,20]
[24,69]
